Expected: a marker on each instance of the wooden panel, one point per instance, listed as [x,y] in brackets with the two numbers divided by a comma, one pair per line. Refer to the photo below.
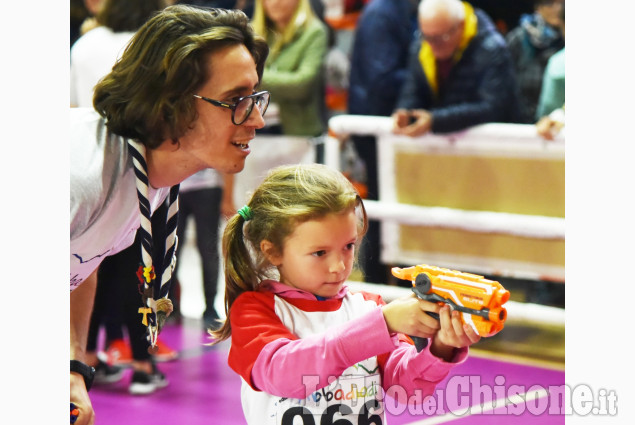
[531,186]
[487,245]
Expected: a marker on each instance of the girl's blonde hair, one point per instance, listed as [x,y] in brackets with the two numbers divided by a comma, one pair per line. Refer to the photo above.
[264,27]
[289,195]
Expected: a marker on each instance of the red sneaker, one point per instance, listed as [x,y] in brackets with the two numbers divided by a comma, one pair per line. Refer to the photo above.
[165,353]
[119,353]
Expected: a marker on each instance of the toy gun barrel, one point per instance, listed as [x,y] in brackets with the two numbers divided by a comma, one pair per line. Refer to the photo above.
[478,299]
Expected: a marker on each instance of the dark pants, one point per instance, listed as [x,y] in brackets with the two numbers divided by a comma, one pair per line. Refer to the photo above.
[204,206]
[369,258]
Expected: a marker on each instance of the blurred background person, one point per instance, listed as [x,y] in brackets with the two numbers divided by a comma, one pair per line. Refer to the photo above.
[298,42]
[550,112]
[94,54]
[205,197]
[82,17]
[379,61]
[460,73]
[537,37]
[379,58]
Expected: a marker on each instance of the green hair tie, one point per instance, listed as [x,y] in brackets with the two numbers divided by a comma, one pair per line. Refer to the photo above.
[245,213]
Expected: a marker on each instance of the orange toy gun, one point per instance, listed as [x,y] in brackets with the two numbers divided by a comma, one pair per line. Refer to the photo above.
[478,299]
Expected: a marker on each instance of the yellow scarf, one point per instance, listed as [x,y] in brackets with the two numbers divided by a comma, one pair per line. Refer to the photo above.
[426,57]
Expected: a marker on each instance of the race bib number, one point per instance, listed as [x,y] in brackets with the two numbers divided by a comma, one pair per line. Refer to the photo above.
[350,400]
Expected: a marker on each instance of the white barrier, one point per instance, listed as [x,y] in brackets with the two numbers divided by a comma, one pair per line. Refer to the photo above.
[495,141]
[481,221]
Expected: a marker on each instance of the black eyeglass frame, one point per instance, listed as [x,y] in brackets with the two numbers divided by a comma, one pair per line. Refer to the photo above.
[234,105]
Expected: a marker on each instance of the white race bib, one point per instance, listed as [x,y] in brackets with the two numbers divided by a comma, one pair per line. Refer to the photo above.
[350,400]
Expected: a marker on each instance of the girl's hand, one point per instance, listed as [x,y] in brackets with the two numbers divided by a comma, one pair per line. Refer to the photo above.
[453,334]
[408,315]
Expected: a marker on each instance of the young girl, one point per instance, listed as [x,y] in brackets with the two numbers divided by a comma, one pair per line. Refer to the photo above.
[304,344]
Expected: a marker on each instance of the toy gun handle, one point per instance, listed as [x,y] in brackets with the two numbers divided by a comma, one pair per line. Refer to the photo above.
[421,288]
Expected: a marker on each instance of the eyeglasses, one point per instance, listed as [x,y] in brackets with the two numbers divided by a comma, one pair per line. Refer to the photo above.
[243,106]
[441,38]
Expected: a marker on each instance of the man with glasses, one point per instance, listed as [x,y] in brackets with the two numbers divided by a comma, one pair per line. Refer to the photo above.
[460,73]
[155,107]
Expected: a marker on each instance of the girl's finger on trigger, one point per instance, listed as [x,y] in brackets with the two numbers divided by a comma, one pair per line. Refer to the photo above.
[445,318]
[424,329]
[425,320]
[429,322]
[457,324]
[429,306]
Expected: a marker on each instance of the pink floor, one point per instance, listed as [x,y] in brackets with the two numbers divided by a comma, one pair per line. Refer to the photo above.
[203,390]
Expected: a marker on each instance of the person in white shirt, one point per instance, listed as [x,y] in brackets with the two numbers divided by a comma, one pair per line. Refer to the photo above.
[182,98]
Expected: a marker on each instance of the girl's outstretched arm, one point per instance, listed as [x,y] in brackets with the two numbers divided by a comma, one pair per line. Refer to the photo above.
[270,358]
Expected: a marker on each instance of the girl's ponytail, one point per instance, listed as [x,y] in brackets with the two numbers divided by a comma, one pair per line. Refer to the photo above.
[240,275]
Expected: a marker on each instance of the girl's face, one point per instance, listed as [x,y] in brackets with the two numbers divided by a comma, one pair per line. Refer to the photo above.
[318,256]
[280,11]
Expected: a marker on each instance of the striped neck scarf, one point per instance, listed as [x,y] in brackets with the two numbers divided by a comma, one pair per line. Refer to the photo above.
[156,304]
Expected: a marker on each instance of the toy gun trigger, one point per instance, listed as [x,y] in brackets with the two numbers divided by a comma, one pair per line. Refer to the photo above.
[422,286]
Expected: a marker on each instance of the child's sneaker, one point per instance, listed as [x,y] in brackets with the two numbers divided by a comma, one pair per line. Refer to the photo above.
[164,353]
[119,353]
[147,383]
